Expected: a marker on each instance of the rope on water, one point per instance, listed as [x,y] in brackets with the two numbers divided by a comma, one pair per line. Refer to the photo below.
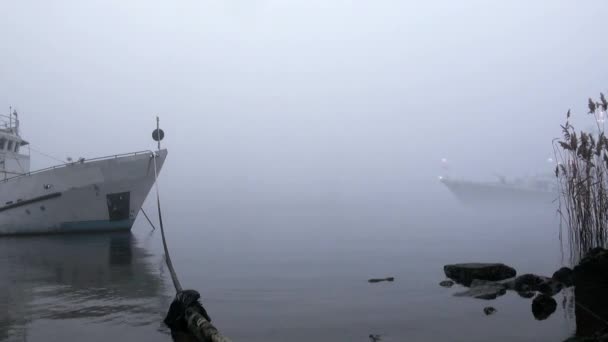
[176,283]
[147,218]
[198,325]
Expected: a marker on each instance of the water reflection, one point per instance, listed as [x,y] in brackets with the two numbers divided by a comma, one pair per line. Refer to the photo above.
[99,278]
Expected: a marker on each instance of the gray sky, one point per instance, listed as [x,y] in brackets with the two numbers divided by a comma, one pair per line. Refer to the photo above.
[307,94]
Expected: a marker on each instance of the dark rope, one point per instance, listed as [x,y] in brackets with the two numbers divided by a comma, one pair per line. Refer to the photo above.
[198,324]
[147,218]
[176,284]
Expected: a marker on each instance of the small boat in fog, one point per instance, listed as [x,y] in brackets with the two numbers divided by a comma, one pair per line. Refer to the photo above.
[99,194]
[526,191]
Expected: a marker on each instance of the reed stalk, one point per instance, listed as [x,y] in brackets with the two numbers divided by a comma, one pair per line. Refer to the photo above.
[582,179]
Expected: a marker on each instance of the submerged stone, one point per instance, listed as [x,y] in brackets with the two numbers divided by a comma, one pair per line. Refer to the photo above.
[466,273]
[446,283]
[482,289]
[543,306]
[488,310]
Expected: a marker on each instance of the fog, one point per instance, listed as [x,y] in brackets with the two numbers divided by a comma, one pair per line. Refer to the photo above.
[303,96]
[305,142]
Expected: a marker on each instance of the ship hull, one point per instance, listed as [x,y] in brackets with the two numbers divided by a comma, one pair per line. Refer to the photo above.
[490,194]
[93,196]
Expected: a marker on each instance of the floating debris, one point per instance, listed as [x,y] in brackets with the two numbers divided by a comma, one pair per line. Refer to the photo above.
[377,280]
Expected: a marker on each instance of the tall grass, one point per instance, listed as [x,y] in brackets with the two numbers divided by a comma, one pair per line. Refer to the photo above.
[582,177]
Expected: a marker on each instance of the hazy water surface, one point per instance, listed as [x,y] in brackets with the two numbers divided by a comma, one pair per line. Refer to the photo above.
[285,268]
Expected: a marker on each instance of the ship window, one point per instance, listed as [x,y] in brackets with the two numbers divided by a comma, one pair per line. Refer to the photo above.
[10,145]
[2,143]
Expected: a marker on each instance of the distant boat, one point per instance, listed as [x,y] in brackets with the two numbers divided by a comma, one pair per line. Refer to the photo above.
[526,191]
[99,194]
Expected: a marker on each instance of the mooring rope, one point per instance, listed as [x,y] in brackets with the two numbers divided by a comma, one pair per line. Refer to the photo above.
[147,218]
[46,155]
[198,325]
[176,283]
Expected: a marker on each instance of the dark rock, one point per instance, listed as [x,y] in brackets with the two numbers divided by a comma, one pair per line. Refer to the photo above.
[593,252]
[527,283]
[482,289]
[550,287]
[528,294]
[375,337]
[600,338]
[591,293]
[466,273]
[446,283]
[377,280]
[593,268]
[543,306]
[488,310]
[565,276]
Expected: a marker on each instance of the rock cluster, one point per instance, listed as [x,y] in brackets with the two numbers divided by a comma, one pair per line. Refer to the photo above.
[491,280]
[465,273]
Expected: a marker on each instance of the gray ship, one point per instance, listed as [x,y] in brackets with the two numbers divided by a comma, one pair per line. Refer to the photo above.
[524,191]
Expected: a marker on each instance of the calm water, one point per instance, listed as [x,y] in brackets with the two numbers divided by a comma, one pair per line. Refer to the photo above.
[285,268]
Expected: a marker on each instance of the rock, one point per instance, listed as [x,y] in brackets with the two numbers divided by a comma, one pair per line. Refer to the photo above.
[565,276]
[593,252]
[375,337]
[527,283]
[466,273]
[526,294]
[591,293]
[446,283]
[377,280]
[593,268]
[488,310]
[543,306]
[482,289]
[603,338]
[550,287]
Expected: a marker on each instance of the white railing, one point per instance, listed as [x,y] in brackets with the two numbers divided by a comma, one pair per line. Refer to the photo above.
[80,161]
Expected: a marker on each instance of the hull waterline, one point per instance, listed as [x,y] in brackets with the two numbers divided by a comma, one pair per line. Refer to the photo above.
[489,194]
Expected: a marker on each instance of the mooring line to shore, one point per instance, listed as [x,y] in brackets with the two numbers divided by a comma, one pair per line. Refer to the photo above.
[199,325]
[147,218]
[176,283]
